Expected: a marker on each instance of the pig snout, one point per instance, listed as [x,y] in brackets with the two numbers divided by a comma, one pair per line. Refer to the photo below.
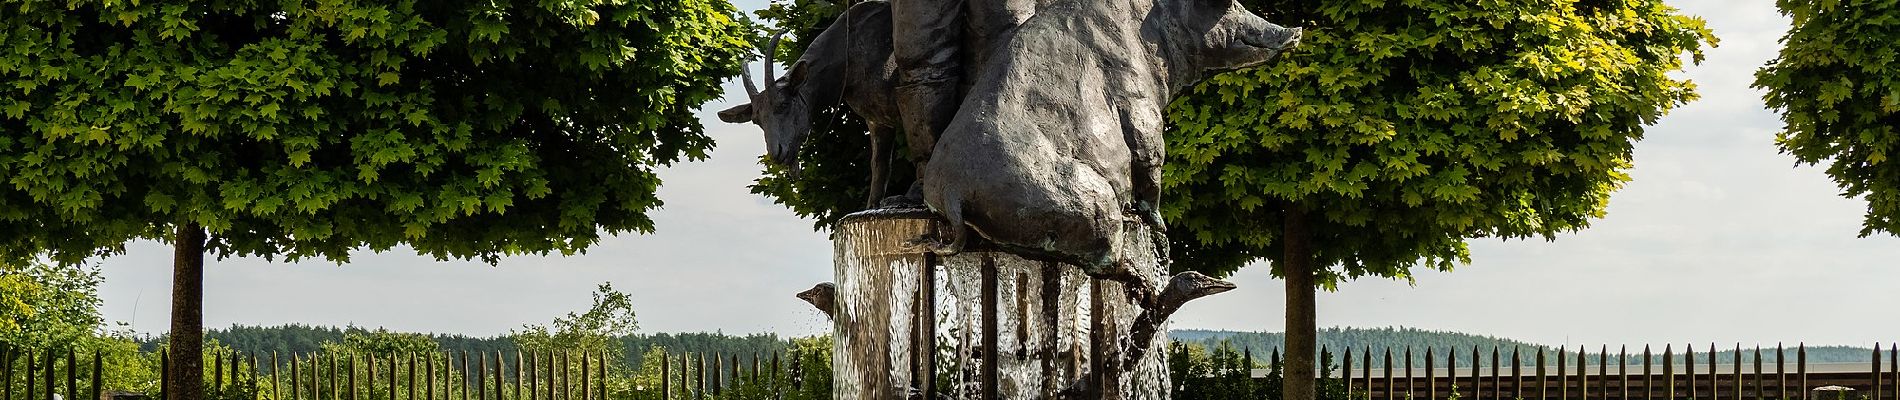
[1243,39]
[1274,37]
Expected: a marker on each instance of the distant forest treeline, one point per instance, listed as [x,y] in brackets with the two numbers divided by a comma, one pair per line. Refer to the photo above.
[1378,339]
[296,338]
[305,339]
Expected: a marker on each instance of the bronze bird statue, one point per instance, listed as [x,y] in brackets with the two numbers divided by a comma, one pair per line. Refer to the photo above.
[821,296]
[1184,287]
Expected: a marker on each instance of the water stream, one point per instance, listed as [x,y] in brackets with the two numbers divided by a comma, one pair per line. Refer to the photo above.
[996,322]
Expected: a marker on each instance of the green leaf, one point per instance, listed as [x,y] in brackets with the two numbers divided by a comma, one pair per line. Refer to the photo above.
[1834,86]
[344,112]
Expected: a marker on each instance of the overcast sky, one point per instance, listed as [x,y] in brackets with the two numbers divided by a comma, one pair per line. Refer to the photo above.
[1720,238]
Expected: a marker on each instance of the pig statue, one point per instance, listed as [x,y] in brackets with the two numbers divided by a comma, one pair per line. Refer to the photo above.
[1058,142]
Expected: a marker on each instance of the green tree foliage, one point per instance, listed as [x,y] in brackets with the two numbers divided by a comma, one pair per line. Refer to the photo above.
[314,129]
[710,342]
[382,342]
[303,339]
[1837,85]
[383,350]
[127,368]
[810,368]
[54,309]
[1460,344]
[586,334]
[1407,128]
[123,366]
[1339,339]
[644,382]
[285,339]
[1400,130]
[461,129]
[46,306]
[1219,370]
[593,331]
[804,373]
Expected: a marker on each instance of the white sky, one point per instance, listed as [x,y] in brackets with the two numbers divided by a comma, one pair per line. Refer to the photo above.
[1719,239]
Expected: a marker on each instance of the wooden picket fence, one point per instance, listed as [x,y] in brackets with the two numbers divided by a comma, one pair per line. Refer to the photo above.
[1622,376]
[28,375]
[38,372]
[431,376]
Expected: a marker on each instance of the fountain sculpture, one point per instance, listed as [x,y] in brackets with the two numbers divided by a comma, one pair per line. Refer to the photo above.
[1029,262]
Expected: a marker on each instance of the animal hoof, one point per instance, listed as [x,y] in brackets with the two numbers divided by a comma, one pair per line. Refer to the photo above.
[1151,215]
[901,201]
[934,245]
[942,248]
[1117,271]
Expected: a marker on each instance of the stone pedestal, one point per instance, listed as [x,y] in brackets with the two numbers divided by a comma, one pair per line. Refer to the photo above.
[983,324]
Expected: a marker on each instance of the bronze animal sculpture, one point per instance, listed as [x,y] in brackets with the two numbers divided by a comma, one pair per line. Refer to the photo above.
[940,46]
[821,296]
[1059,139]
[849,63]
[1184,287]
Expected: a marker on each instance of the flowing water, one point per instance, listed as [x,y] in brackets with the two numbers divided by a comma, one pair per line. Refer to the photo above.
[1021,328]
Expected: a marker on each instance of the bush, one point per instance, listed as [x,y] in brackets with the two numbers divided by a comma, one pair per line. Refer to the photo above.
[1222,372]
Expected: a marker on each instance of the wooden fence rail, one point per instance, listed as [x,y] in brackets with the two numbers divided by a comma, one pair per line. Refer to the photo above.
[1580,376]
[533,375]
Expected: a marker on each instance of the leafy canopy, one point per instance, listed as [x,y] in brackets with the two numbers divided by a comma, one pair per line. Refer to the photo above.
[55,308]
[45,306]
[383,343]
[1406,128]
[1837,85]
[308,129]
[598,329]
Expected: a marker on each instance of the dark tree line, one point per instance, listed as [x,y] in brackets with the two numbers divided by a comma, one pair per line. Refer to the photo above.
[1378,339]
[299,338]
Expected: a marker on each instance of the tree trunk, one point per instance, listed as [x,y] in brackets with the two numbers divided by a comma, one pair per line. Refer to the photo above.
[1301,330]
[186,381]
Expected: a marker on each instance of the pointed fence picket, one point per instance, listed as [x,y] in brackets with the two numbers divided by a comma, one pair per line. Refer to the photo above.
[558,375]
[1644,376]
[40,375]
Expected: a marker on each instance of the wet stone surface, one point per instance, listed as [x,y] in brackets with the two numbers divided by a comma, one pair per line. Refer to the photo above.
[981,321]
